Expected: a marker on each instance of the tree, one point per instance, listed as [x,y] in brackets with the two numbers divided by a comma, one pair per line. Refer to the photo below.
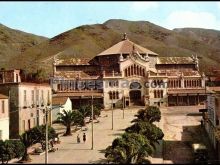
[130,148]
[86,110]
[150,131]
[27,142]
[10,149]
[69,118]
[38,135]
[150,114]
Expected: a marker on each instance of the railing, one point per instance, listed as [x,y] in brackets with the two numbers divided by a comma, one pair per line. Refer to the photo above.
[112,74]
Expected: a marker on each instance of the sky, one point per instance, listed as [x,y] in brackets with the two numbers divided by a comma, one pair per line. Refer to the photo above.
[52,18]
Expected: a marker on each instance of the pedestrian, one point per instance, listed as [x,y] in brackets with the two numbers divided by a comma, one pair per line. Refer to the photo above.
[84,137]
[78,139]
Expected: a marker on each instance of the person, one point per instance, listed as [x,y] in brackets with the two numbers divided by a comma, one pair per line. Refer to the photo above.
[78,139]
[84,137]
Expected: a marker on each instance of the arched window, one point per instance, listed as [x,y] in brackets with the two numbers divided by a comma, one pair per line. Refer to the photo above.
[117,95]
[110,95]
[155,94]
[135,70]
[126,73]
[161,94]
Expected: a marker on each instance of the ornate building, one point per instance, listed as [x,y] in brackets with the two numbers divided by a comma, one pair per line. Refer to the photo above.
[130,74]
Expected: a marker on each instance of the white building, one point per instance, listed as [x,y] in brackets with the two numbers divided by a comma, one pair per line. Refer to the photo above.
[4,117]
[59,104]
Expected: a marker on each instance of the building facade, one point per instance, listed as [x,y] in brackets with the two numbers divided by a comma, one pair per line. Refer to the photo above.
[4,117]
[27,101]
[130,74]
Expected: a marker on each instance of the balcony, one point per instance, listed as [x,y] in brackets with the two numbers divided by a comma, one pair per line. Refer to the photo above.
[111,74]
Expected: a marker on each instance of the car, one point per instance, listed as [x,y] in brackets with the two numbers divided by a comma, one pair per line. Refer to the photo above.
[200,153]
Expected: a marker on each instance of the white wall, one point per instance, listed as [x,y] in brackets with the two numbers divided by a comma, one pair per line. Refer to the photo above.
[4,128]
[56,109]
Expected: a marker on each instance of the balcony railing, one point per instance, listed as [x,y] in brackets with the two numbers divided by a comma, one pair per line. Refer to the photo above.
[111,74]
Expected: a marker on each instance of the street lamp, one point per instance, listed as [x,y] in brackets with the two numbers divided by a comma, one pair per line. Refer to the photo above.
[123,104]
[92,122]
[112,115]
[46,110]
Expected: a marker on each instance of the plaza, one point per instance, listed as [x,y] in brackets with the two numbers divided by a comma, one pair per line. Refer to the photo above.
[181,126]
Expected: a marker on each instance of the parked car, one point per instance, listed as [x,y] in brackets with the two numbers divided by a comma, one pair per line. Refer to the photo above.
[200,153]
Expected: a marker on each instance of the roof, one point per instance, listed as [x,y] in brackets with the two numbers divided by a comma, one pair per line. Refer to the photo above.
[125,47]
[74,75]
[73,61]
[175,60]
[3,96]
[59,100]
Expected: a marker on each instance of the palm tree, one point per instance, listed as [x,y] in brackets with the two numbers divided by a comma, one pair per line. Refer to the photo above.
[68,119]
[150,114]
[130,148]
[27,141]
[150,131]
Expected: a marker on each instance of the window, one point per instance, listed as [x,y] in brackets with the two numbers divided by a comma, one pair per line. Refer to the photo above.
[34,123]
[25,97]
[37,96]
[3,106]
[48,97]
[29,124]
[113,95]
[110,95]
[23,125]
[42,97]
[32,96]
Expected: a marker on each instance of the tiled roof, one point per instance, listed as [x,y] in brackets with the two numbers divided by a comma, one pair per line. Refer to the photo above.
[3,96]
[74,74]
[73,61]
[175,60]
[59,100]
[125,47]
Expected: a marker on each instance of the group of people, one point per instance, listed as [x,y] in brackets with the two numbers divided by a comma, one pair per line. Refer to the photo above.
[84,138]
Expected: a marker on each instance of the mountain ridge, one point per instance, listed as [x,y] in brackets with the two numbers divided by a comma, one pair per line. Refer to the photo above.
[90,40]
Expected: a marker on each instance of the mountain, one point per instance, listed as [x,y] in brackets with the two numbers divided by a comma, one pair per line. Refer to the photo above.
[89,40]
[13,43]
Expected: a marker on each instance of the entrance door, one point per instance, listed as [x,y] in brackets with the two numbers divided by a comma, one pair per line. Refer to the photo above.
[135,97]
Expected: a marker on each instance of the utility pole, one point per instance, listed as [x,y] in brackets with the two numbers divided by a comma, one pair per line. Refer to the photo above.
[46,154]
[112,113]
[123,104]
[92,122]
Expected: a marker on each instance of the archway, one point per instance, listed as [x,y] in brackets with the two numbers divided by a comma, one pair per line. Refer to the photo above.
[135,97]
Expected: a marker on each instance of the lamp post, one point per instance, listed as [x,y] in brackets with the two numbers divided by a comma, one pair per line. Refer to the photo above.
[112,115]
[92,122]
[47,109]
[123,104]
